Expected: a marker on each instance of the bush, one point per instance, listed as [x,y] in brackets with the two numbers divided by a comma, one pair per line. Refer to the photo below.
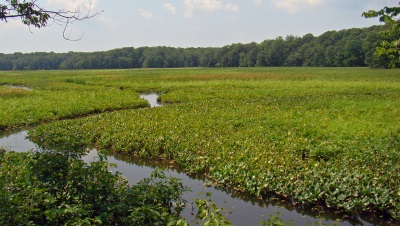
[58,188]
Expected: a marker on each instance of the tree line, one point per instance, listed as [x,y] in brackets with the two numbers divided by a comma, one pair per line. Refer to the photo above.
[354,47]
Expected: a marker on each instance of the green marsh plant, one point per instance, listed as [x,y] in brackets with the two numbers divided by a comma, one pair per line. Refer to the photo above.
[315,136]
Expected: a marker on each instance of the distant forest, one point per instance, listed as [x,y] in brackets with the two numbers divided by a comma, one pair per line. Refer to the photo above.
[345,48]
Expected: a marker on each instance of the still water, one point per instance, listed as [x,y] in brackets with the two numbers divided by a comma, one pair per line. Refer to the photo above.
[243,209]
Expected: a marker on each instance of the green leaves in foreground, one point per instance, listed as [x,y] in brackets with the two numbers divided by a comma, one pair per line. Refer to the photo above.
[209,213]
[389,49]
[52,188]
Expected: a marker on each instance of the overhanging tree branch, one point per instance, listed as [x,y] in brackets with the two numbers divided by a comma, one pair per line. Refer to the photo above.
[32,14]
[391,17]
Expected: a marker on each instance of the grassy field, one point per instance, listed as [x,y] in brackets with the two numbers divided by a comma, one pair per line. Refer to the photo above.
[316,136]
[56,95]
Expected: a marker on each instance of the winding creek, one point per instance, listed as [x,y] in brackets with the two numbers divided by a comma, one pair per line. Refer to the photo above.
[244,209]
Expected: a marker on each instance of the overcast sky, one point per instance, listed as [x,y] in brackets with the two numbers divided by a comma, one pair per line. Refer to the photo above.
[186,23]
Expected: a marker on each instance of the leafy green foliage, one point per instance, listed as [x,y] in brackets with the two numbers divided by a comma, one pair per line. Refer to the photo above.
[19,107]
[58,188]
[391,47]
[387,15]
[29,12]
[275,220]
[315,136]
[209,213]
[8,92]
[345,48]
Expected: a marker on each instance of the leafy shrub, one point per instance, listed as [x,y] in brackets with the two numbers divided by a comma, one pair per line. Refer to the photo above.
[58,188]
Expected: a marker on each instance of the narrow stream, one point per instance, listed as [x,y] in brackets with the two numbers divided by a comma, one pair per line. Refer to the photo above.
[17,87]
[244,209]
[152,99]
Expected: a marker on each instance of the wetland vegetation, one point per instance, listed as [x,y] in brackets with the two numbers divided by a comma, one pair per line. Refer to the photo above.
[317,137]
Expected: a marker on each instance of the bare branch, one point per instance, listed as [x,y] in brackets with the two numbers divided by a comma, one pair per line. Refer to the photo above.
[31,14]
[68,37]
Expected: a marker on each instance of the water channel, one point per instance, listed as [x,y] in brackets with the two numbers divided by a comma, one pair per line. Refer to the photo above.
[17,87]
[244,209]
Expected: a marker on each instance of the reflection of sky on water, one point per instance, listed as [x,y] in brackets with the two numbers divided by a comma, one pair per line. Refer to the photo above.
[16,142]
[244,212]
[152,99]
[17,87]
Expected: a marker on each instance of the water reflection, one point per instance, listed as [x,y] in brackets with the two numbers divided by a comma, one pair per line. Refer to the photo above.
[152,98]
[16,141]
[16,87]
[245,210]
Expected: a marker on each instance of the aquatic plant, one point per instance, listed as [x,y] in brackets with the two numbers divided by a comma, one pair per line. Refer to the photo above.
[316,137]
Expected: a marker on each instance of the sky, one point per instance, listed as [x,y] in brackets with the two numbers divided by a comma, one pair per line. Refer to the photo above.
[184,23]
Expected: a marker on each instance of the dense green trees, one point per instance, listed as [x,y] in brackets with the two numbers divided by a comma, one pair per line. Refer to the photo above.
[389,47]
[346,48]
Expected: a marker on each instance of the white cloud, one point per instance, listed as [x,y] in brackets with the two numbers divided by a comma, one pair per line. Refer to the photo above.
[74,5]
[83,8]
[105,20]
[193,6]
[11,23]
[258,2]
[293,6]
[145,14]
[231,8]
[170,7]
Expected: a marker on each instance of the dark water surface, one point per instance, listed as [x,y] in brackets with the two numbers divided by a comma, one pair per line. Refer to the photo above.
[244,210]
